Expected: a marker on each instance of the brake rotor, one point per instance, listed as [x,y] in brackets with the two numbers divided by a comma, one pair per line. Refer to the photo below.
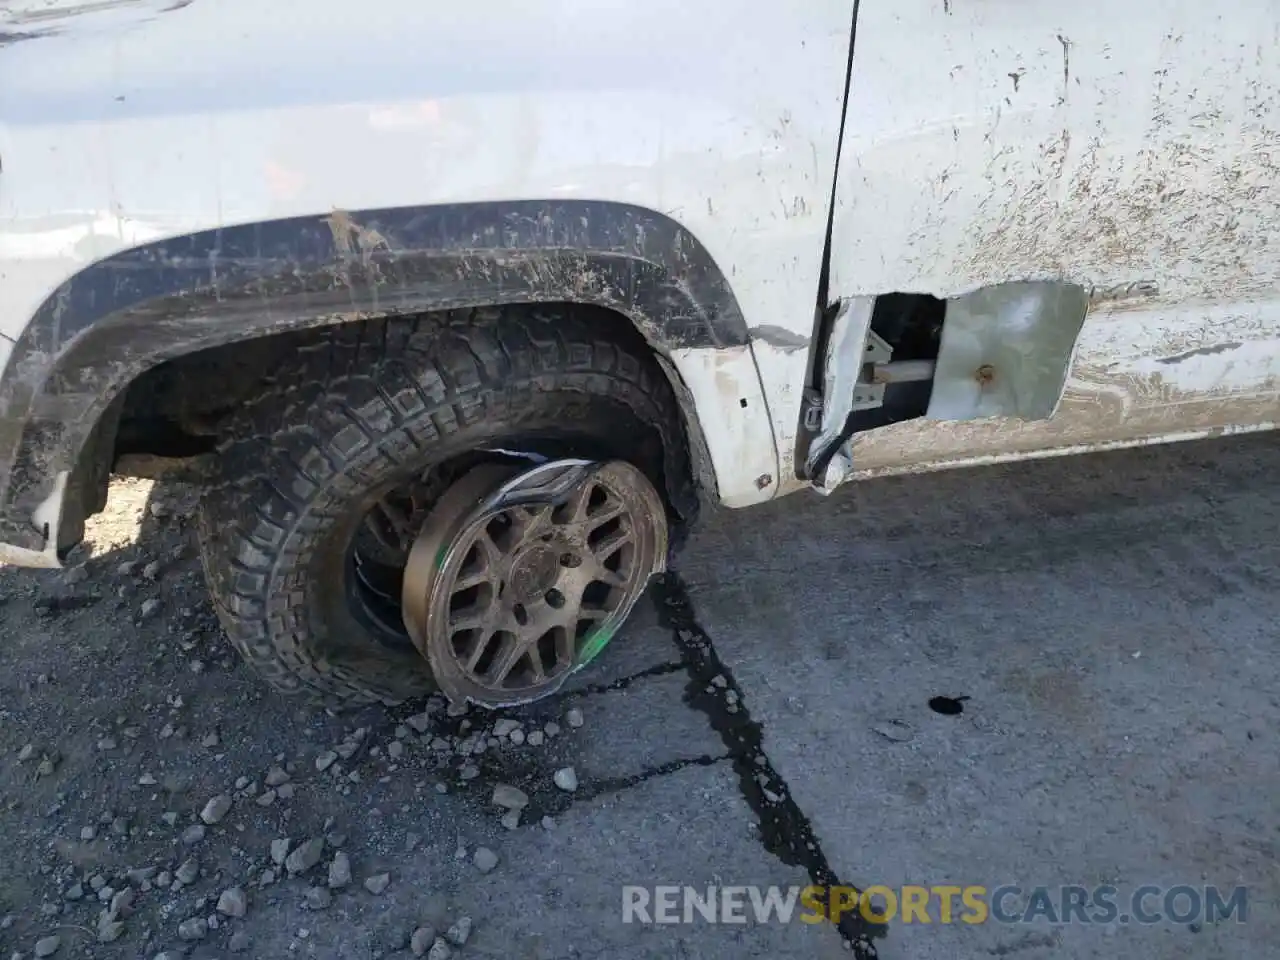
[520,576]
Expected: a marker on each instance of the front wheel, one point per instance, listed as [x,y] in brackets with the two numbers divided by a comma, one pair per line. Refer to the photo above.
[363,543]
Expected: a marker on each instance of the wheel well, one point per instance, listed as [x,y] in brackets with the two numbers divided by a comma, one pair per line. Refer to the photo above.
[167,420]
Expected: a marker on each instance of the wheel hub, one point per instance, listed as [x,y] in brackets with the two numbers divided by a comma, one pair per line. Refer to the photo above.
[520,576]
[534,572]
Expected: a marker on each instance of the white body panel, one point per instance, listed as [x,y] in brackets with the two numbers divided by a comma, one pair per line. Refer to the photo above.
[140,120]
[1131,148]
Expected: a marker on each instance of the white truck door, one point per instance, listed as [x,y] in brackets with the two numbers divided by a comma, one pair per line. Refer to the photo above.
[1098,142]
[1129,149]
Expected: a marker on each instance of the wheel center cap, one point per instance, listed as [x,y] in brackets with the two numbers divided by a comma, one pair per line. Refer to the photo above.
[534,572]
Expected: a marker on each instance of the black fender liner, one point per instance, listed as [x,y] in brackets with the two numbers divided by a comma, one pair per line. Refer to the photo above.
[122,315]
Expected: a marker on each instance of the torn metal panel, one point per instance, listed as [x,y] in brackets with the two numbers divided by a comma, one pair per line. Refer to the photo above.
[846,354]
[1138,376]
[1005,351]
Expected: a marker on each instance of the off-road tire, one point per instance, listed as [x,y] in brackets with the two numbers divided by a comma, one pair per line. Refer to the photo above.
[365,407]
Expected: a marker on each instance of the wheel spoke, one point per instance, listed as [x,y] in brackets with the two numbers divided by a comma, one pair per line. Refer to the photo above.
[606,513]
[535,663]
[476,615]
[527,523]
[605,548]
[489,551]
[471,580]
[470,620]
[478,647]
[575,507]
[513,650]
[565,642]
[611,577]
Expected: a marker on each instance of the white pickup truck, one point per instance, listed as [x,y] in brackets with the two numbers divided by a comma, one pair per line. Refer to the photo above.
[456,311]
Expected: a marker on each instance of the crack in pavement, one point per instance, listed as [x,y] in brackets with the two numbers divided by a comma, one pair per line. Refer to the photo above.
[784,829]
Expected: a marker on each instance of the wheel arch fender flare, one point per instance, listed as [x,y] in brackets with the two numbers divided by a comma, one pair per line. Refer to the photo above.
[118,317]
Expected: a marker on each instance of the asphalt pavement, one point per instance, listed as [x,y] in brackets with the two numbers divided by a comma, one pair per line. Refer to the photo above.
[1054,674]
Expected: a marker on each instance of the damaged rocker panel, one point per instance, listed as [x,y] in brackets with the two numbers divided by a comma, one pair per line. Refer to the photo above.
[1005,351]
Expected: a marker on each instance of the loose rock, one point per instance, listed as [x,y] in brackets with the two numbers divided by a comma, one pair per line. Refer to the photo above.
[513,798]
[122,901]
[193,834]
[110,931]
[239,942]
[326,760]
[276,776]
[48,946]
[378,883]
[305,857]
[574,717]
[232,902]
[566,778]
[421,941]
[216,809]
[279,850]
[459,932]
[484,859]
[188,872]
[535,737]
[439,950]
[339,870]
[194,928]
[504,727]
